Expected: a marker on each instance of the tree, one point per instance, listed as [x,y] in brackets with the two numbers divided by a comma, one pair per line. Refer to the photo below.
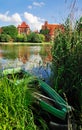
[45,32]
[34,37]
[10,30]
[5,38]
[21,38]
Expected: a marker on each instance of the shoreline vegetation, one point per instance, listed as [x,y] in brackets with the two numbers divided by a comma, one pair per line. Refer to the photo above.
[17,104]
[25,43]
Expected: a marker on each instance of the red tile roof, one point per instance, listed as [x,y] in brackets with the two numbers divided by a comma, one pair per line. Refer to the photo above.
[52,27]
[23,25]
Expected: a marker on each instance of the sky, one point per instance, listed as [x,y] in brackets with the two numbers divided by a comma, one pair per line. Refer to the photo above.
[36,12]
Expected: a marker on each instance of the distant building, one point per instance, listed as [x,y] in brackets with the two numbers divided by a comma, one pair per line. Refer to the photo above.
[52,29]
[23,28]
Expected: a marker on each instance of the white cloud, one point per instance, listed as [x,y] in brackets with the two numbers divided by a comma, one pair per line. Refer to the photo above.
[36,4]
[30,7]
[15,18]
[4,18]
[39,4]
[33,21]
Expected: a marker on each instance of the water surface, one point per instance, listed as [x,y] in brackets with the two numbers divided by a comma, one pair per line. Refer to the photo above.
[36,59]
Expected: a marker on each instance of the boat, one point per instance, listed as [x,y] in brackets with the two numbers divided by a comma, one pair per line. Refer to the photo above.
[16,75]
[57,126]
[51,106]
[53,103]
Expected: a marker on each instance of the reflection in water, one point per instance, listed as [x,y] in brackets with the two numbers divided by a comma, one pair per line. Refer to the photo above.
[35,59]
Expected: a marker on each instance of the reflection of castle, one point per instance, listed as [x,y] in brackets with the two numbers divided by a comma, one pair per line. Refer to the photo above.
[23,54]
[23,28]
[1,55]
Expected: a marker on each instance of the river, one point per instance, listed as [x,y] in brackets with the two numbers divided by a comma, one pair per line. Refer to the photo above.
[33,58]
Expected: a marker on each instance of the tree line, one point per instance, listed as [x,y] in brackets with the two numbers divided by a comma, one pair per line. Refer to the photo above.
[10,33]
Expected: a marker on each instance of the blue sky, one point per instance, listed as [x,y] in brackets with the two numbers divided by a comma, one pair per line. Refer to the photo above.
[36,12]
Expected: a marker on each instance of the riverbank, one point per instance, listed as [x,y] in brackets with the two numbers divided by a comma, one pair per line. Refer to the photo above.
[25,43]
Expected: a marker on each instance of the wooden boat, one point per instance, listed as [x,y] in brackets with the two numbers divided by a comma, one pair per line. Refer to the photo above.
[53,103]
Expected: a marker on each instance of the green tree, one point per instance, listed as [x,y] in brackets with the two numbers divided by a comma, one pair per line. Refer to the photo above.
[21,38]
[45,32]
[10,30]
[5,38]
[41,37]
[34,37]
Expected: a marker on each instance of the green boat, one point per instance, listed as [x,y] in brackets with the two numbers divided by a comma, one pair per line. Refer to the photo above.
[53,103]
[54,95]
[16,75]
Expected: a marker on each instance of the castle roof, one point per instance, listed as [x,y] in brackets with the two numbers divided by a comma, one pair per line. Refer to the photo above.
[52,27]
[23,25]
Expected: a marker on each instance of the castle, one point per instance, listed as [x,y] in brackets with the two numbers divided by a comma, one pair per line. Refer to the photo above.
[52,29]
[23,28]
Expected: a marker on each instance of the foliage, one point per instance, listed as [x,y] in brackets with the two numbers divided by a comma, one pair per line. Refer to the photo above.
[67,67]
[79,25]
[10,33]
[34,37]
[41,37]
[45,32]
[10,30]
[16,106]
[5,38]
[21,38]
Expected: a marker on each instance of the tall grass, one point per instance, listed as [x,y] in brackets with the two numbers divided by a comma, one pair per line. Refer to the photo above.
[17,111]
[15,102]
[67,67]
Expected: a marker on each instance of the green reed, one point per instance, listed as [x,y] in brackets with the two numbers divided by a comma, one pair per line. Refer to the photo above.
[15,102]
[16,105]
[67,67]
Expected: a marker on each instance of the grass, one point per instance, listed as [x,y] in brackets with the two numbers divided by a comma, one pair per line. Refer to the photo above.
[15,112]
[67,69]
[16,106]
